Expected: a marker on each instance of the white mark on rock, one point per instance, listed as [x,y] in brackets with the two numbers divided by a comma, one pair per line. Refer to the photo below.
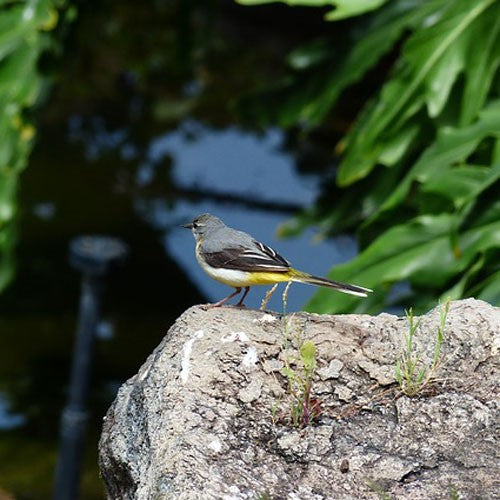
[495,346]
[235,494]
[241,336]
[250,358]
[186,355]
[266,318]
[215,445]
[144,374]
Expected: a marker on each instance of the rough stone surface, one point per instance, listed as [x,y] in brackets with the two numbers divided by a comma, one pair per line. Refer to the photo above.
[207,415]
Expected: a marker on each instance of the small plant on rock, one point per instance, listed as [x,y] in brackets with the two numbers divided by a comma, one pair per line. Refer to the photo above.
[411,373]
[300,369]
[300,380]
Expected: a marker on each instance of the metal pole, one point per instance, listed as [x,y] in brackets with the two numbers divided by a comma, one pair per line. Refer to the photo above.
[93,256]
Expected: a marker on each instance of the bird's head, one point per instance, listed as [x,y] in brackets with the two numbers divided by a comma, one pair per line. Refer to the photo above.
[203,223]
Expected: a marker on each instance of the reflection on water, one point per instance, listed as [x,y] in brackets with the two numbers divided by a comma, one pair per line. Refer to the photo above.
[235,162]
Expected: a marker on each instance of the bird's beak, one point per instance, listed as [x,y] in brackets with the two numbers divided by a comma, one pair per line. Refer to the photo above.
[188,226]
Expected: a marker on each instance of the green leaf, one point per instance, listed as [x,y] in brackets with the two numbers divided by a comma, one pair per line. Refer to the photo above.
[457,291]
[349,8]
[394,148]
[452,146]
[437,53]
[490,289]
[304,3]
[12,29]
[426,55]
[463,183]
[344,8]
[308,355]
[21,42]
[481,65]
[289,373]
[20,22]
[18,78]
[421,375]
[8,189]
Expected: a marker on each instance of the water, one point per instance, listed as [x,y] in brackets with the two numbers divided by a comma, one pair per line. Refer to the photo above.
[122,153]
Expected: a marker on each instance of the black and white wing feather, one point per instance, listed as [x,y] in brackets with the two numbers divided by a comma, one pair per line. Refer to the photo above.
[255,257]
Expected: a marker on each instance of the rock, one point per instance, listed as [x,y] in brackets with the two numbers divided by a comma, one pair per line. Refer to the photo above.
[332,370]
[208,414]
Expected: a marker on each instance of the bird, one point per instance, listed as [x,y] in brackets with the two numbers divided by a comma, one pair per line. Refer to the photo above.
[237,259]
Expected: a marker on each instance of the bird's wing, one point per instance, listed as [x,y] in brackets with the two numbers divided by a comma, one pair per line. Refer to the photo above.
[256,257]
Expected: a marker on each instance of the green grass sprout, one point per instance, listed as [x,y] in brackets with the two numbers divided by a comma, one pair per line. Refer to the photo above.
[411,373]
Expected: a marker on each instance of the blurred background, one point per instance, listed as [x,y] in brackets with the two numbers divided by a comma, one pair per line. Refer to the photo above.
[361,141]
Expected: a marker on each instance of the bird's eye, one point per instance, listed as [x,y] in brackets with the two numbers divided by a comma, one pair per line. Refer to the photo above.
[195,225]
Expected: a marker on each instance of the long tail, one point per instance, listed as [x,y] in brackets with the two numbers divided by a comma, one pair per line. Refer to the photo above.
[337,285]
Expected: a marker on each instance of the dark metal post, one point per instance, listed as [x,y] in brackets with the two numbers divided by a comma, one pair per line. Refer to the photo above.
[93,256]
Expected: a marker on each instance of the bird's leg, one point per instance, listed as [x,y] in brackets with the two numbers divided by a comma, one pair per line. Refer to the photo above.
[223,301]
[240,303]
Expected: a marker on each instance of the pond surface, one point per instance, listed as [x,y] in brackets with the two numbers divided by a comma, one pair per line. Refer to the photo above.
[138,137]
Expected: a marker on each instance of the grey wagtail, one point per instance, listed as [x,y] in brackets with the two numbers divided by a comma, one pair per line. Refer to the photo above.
[237,259]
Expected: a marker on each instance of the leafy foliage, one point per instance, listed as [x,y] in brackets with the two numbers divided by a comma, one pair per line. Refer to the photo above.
[420,167]
[22,27]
